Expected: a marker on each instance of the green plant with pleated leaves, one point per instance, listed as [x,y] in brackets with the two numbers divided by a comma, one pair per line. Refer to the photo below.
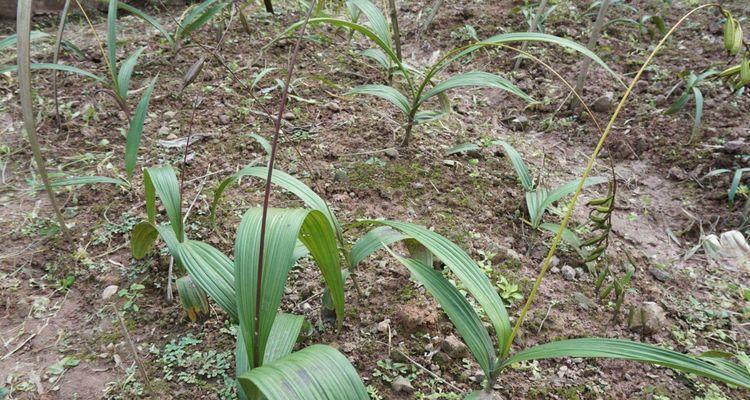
[735,187]
[539,199]
[415,88]
[691,91]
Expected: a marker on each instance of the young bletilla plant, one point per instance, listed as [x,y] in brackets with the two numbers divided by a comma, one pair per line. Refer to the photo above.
[538,199]
[692,90]
[417,88]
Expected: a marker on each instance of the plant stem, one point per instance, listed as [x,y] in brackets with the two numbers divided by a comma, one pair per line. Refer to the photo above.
[269,6]
[257,360]
[24,82]
[532,28]
[593,39]
[587,170]
[394,27]
[55,57]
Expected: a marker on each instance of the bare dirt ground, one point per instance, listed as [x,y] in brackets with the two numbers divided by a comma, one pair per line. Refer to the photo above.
[62,341]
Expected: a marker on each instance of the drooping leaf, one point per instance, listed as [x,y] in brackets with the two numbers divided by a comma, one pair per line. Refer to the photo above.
[192,298]
[459,311]
[569,187]
[462,148]
[212,271]
[142,239]
[162,182]
[375,19]
[135,129]
[283,336]
[317,372]
[126,71]
[192,72]
[717,369]
[378,56]
[518,165]
[199,16]
[386,93]
[283,228]
[568,237]
[11,40]
[260,75]
[112,41]
[57,67]
[736,179]
[475,79]
[151,20]
[262,141]
[698,95]
[87,180]
[373,241]
[468,272]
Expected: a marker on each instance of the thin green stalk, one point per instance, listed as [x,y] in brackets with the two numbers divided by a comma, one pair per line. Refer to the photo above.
[394,27]
[587,170]
[56,56]
[23,28]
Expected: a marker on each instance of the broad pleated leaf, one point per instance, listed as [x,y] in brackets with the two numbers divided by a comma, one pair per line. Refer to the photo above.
[287,182]
[518,165]
[192,298]
[126,71]
[212,271]
[459,310]
[284,227]
[162,182]
[57,67]
[142,239]
[373,241]
[468,272]
[87,180]
[386,93]
[12,39]
[378,56]
[534,201]
[135,130]
[151,20]
[475,79]
[284,334]
[318,372]
[375,19]
[720,370]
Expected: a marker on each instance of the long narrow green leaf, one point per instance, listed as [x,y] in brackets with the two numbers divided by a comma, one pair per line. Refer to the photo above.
[112,40]
[87,180]
[466,269]
[476,79]
[375,19]
[283,336]
[318,372]
[151,20]
[192,298]
[569,187]
[517,162]
[386,93]
[283,227]
[373,241]
[135,130]
[126,71]
[378,56]
[162,182]
[212,271]
[58,67]
[12,39]
[698,110]
[568,236]
[736,179]
[534,201]
[200,17]
[627,350]
[459,311]
[287,182]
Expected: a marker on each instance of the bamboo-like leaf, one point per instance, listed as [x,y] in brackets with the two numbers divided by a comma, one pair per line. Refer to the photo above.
[126,71]
[162,182]
[713,368]
[264,143]
[212,271]
[287,182]
[151,20]
[142,239]
[466,269]
[260,75]
[375,19]
[386,93]
[373,241]
[283,336]
[199,16]
[534,201]
[192,298]
[378,56]
[569,187]
[283,228]
[135,130]
[459,311]
[475,79]
[698,95]
[568,237]
[518,165]
[679,104]
[11,40]
[318,372]
[57,67]
[87,180]
[112,41]
[736,179]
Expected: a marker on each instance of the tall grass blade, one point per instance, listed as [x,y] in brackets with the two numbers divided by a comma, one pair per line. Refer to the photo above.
[135,130]
[518,165]
[126,71]
[56,67]
[386,93]
[476,79]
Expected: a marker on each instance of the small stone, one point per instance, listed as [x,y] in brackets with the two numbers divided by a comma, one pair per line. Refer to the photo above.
[391,152]
[579,273]
[289,116]
[401,384]
[306,307]
[384,325]
[333,106]
[171,136]
[109,291]
[604,103]
[554,270]
[454,347]
[649,318]
[554,261]
[224,119]
[562,371]
[568,273]
[582,301]
[519,123]
[163,131]
[659,274]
